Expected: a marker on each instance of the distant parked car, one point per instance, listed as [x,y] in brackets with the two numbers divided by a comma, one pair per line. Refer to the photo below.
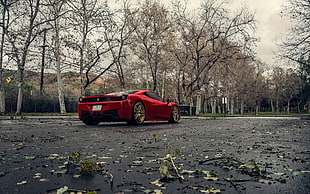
[134,107]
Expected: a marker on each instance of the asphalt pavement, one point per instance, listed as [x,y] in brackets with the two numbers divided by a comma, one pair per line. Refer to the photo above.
[196,155]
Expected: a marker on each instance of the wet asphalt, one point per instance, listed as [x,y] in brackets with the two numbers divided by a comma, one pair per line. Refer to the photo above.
[226,155]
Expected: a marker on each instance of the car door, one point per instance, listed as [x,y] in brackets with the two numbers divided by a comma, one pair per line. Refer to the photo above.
[158,109]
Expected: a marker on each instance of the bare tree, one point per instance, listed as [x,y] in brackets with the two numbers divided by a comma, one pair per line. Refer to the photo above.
[21,32]
[5,4]
[296,47]
[88,21]
[277,86]
[293,86]
[150,40]
[55,14]
[209,40]
[119,37]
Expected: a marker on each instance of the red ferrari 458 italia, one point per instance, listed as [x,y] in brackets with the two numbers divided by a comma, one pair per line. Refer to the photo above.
[134,106]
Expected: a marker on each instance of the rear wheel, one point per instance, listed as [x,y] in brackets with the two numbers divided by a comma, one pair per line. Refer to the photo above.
[175,115]
[138,113]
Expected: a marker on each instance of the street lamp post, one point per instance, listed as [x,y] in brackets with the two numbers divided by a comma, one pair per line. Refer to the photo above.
[43,62]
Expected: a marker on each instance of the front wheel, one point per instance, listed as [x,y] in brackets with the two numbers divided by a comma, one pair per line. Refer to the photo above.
[138,113]
[175,115]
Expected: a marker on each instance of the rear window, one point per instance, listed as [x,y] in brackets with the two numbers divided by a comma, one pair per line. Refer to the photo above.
[102,99]
[115,96]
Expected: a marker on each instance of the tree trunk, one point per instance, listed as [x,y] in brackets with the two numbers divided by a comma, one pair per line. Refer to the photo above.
[219,109]
[257,109]
[213,105]
[2,98]
[288,107]
[232,107]
[2,92]
[272,107]
[163,89]
[277,106]
[198,105]
[241,108]
[20,91]
[61,96]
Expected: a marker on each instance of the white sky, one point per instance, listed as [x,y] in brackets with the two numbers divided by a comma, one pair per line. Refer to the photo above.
[270,28]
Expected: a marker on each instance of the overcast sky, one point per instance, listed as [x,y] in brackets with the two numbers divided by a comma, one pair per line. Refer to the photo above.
[270,28]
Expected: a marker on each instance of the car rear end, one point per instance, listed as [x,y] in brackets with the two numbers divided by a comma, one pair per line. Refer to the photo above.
[95,109]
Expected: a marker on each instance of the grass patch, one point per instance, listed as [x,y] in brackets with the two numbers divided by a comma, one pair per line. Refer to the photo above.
[254,114]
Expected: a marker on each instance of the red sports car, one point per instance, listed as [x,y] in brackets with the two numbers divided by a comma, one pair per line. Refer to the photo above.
[134,106]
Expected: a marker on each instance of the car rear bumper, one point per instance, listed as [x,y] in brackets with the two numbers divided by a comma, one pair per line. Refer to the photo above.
[116,111]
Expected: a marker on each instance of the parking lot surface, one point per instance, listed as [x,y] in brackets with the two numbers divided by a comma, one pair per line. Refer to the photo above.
[233,155]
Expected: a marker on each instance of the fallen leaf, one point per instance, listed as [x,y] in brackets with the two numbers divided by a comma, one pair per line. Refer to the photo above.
[279,173]
[148,191]
[37,175]
[92,156]
[264,181]
[22,183]
[211,178]
[76,176]
[52,156]
[298,173]
[299,159]
[30,157]
[156,191]
[208,173]
[2,173]
[211,191]
[104,157]
[62,190]
[137,162]
[157,183]
[187,171]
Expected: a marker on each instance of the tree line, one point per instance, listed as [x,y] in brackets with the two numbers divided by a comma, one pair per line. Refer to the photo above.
[201,57]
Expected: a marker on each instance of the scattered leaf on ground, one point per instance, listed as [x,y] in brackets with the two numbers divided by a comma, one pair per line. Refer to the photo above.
[62,190]
[30,157]
[211,178]
[157,183]
[211,191]
[22,183]
[76,176]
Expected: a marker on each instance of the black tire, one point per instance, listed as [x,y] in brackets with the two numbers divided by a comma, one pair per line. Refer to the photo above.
[175,115]
[138,114]
[90,121]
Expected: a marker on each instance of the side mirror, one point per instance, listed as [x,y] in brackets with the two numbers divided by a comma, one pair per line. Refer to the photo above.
[168,101]
[124,97]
